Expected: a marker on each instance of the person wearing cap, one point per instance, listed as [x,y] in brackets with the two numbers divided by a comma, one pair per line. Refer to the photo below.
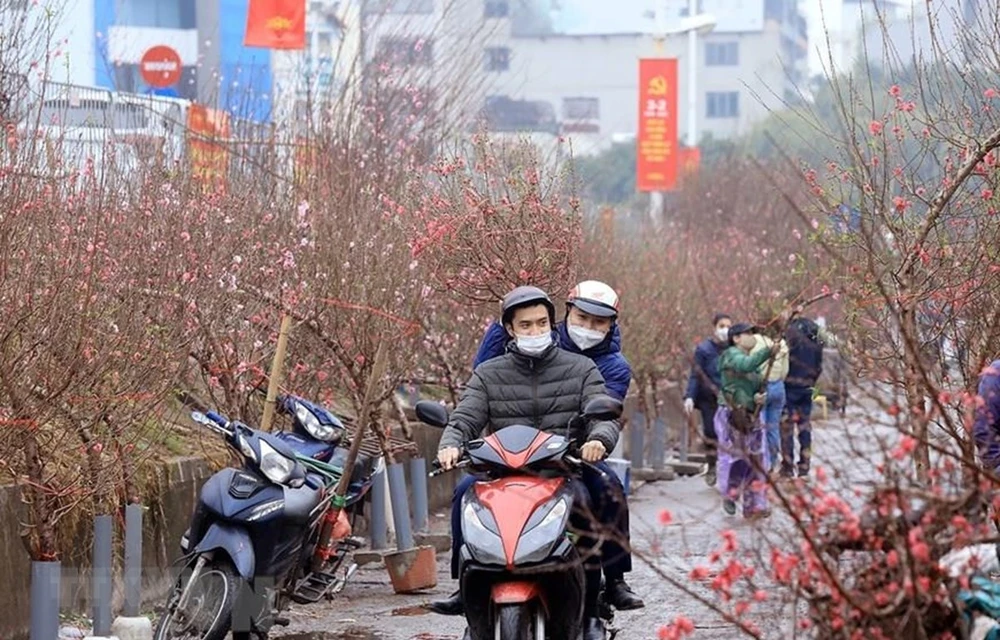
[590,328]
[703,387]
[743,457]
[538,384]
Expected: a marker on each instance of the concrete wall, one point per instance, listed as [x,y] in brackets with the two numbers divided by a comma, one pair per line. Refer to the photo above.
[165,522]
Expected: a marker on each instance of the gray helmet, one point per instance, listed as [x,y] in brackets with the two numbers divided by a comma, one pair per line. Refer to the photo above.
[525,296]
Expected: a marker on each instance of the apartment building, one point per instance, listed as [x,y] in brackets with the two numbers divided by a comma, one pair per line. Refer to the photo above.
[752,62]
[952,29]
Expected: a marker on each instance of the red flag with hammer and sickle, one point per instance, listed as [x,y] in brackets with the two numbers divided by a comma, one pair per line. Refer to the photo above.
[276,24]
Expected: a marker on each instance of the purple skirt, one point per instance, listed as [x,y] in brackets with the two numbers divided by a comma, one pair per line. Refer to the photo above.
[743,462]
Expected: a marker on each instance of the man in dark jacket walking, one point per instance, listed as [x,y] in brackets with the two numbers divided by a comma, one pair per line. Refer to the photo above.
[534,383]
[805,341]
[590,328]
[703,387]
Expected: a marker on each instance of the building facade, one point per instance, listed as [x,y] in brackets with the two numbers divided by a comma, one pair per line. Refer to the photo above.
[951,29]
[101,44]
[751,63]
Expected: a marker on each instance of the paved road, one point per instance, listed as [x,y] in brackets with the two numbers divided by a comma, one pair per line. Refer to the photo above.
[369,610]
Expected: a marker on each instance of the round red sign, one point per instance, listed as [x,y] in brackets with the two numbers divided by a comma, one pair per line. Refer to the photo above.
[160,66]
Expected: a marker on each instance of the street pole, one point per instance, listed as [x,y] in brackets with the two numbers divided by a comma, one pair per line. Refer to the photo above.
[692,55]
[656,197]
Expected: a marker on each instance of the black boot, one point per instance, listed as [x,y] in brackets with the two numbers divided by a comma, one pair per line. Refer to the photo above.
[451,606]
[620,595]
[593,629]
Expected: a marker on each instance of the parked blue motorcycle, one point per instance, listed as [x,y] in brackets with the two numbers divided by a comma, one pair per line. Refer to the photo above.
[264,535]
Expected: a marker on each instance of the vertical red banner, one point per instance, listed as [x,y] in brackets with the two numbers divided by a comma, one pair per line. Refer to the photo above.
[656,144]
[689,159]
[208,135]
[276,24]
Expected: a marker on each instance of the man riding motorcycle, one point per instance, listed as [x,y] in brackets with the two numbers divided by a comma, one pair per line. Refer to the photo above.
[590,328]
[534,383]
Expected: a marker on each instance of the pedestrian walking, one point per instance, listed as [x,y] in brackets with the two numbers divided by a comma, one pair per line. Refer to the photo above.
[775,371]
[703,384]
[742,439]
[805,341]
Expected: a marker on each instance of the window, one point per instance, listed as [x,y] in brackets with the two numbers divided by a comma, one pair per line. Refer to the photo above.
[324,44]
[410,52]
[501,113]
[684,10]
[497,8]
[722,104]
[497,59]
[722,54]
[399,6]
[581,108]
[165,14]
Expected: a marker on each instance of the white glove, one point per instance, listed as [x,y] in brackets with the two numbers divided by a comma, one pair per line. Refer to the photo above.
[960,562]
[688,406]
[981,627]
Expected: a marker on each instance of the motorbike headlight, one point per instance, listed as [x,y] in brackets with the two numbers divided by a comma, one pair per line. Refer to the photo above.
[536,544]
[483,542]
[276,467]
[312,425]
[245,448]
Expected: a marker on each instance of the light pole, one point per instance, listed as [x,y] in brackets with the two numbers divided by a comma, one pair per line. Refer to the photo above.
[692,24]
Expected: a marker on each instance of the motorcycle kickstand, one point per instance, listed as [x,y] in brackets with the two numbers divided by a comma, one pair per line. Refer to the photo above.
[342,582]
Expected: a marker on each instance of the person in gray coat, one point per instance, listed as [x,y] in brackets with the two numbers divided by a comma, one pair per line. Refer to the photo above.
[538,384]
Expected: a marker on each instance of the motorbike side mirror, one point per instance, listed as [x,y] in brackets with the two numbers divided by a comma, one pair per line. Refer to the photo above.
[431,413]
[603,408]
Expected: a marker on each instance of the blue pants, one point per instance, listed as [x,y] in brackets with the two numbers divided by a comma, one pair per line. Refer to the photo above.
[707,407]
[798,411]
[607,498]
[773,407]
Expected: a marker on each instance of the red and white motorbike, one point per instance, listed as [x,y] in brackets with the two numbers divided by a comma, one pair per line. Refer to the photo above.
[522,575]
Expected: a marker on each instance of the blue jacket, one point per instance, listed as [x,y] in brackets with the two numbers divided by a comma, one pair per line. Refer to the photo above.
[615,369]
[704,380]
[986,429]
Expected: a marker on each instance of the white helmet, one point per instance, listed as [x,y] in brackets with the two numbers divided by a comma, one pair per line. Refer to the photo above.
[595,298]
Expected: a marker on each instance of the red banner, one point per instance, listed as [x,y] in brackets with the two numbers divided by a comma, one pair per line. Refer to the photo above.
[276,24]
[657,162]
[689,159]
[208,134]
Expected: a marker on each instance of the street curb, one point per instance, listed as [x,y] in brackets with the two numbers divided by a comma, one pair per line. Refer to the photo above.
[653,475]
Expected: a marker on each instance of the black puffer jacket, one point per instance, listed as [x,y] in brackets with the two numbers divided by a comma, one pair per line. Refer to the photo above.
[544,392]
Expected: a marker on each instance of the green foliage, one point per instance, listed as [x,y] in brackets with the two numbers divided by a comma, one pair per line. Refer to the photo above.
[609,177]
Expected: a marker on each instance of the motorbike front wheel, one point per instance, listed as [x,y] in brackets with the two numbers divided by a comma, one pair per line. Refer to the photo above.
[207,614]
[519,622]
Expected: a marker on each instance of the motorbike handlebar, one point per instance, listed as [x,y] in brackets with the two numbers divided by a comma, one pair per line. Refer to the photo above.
[438,470]
[216,418]
[579,462]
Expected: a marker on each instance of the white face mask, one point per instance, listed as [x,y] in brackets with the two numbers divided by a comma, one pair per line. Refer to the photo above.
[722,334]
[533,345]
[585,338]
